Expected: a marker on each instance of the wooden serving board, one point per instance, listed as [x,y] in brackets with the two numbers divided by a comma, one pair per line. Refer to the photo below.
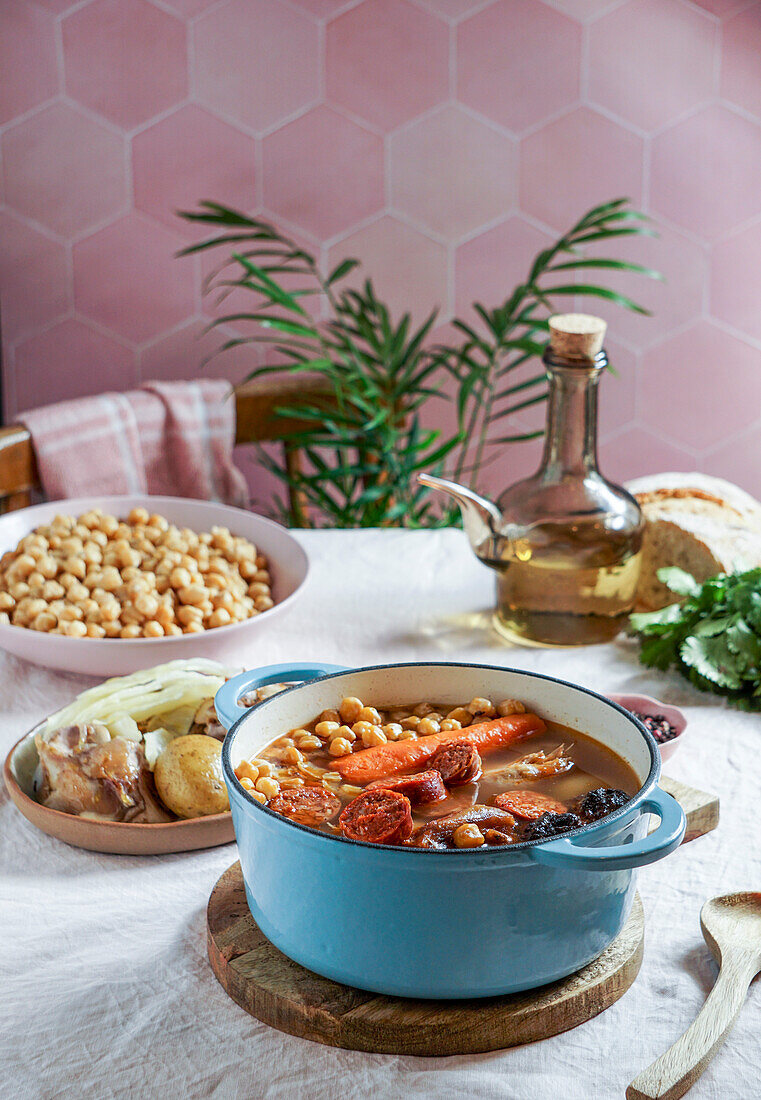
[284,995]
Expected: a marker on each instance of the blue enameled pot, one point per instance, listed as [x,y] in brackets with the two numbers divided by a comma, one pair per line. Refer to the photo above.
[418,923]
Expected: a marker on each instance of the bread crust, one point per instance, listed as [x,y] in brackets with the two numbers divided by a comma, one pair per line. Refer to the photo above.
[702,524]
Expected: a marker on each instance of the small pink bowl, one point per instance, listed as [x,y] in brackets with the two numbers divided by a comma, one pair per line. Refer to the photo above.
[645,704]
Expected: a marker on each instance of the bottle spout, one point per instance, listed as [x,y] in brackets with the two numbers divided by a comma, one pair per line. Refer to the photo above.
[482,519]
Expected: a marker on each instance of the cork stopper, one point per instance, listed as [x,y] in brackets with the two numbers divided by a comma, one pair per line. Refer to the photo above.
[576,335]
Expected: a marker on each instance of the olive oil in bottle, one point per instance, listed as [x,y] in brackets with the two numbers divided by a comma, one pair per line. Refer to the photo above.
[568,552]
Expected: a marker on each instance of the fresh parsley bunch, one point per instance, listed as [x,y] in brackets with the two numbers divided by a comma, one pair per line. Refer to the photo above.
[713,638]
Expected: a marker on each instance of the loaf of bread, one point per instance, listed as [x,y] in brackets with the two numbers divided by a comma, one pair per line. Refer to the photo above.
[702,524]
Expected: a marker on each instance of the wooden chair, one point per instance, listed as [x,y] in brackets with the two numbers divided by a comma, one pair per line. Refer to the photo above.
[257,422]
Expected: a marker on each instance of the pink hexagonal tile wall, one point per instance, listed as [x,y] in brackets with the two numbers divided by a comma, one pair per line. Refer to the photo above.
[731,460]
[189,156]
[704,172]
[736,280]
[740,59]
[359,76]
[33,284]
[125,59]
[686,380]
[256,61]
[518,62]
[390,129]
[183,352]
[637,452]
[71,360]
[126,278]
[323,172]
[672,302]
[28,73]
[576,161]
[64,169]
[491,264]
[408,269]
[476,161]
[634,69]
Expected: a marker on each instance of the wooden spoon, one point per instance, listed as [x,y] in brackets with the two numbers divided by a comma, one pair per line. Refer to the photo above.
[732,929]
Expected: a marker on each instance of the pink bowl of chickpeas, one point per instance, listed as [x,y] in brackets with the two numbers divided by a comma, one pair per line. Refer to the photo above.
[110,585]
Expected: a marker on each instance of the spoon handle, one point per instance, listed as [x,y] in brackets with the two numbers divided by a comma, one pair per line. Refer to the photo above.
[677,1070]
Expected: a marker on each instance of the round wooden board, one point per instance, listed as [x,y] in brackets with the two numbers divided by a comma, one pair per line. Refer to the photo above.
[284,995]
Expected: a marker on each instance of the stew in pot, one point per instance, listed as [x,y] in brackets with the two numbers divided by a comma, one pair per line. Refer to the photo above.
[433,776]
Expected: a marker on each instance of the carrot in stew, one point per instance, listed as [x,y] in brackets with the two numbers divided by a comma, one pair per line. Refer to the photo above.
[393,757]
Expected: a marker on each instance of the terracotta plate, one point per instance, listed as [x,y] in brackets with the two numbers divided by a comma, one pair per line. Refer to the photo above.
[118,837]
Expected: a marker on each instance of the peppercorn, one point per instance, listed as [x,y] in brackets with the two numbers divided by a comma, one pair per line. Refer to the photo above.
[658,725]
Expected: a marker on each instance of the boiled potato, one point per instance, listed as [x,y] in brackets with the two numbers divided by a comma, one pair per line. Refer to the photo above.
[188,776]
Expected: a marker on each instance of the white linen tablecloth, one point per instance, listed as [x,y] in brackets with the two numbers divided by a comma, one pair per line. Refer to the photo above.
[106,990]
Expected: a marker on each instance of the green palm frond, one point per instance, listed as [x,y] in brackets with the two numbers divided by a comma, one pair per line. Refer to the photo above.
[362,454]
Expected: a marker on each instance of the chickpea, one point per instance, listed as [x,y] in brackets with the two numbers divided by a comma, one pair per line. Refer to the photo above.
[172,630]
[410,723]
[4,618]
[450,724]
[248,770]
[23,565]
[263,603]
[327,729]
[468,836]
[6,601]
[187,615]
[426,726]
[179,578]
[330,716]
[194,628]
[152,629]
[461,715]
[220,617]
[131,630]
[268,787]
[422,710]
[75,567]
[113,628]
[393,731]
[510,706]
[44,621]
[375,736]
[339,746]
[192,594]
[350,709]
[308,742]
[293,756]
[139,516]
[19,591]
[246,783]
[147,605]
[481,707]
[74,629]
[407,735]
[95,631]
[346,732]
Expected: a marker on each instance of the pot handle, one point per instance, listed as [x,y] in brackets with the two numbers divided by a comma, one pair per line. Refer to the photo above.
[226,700]
[567,852]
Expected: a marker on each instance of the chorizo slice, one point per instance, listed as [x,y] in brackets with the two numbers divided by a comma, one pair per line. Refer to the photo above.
[307,805]
[440,832]
[457,763]
[529,805]
[377,817]
[420,789]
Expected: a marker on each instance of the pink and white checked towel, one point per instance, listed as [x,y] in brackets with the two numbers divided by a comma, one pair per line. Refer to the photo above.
[165,439]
